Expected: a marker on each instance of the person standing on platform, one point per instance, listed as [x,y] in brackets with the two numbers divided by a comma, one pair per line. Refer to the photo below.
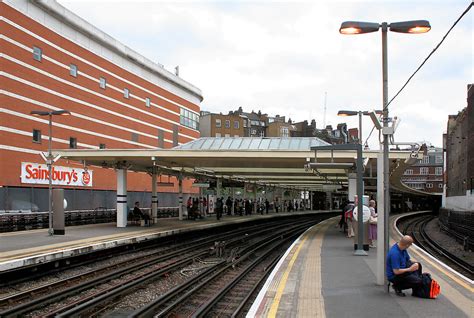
[228,203]
[400,270]
[219,208]
[349,215]
[267,205]
[372,224]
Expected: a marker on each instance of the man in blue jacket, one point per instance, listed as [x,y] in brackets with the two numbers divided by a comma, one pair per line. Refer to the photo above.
[400,270]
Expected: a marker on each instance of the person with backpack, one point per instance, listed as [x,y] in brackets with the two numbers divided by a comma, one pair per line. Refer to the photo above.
[401,271]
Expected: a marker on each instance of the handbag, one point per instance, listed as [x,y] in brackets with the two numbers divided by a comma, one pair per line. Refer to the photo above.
[372,220]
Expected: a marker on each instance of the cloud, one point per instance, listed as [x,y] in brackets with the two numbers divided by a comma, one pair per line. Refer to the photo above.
[281,57]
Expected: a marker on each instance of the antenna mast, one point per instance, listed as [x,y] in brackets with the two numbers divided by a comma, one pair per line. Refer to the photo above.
[325,101]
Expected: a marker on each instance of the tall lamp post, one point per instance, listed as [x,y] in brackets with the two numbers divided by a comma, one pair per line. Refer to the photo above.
[413,27]
[49,158]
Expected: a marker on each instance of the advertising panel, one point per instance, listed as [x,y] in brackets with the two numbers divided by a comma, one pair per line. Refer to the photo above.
[37,173]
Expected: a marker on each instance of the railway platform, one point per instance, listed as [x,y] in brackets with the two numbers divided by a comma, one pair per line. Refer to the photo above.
[320,277]
[28,248]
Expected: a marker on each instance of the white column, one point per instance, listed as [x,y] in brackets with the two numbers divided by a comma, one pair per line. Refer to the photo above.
[180,197]
[311,200]
[380,221]
[255,198]
[154,197]
[352,189]
[122,207]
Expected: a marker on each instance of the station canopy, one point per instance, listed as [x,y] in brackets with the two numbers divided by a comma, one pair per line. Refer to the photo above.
[266,161]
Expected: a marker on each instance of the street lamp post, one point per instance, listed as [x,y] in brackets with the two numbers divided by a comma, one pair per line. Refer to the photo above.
[49,159]
[413,27]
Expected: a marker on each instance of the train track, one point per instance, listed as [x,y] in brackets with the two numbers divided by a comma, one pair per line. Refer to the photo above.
[417,229]
[95,292]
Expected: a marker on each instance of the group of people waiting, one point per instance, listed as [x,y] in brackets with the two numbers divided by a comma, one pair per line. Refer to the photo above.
[198,206]
[347,217]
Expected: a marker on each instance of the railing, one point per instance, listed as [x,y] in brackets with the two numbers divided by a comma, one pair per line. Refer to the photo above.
[10,222]
[459,224]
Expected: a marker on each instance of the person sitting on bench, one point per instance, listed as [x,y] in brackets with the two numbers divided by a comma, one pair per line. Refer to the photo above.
[138,212]
[401,271]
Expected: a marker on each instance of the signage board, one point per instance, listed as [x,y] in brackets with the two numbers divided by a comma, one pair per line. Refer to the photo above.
[200,185]
[37,173]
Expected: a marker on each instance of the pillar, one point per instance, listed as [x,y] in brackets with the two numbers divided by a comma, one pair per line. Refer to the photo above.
[180,197]
[122,207]
[233,201]
[352,187]
[311,200]
[154,197]
[380,274]
[255,198]
[219,188]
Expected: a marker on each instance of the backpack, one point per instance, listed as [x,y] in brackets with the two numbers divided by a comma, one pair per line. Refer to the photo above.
[428,289]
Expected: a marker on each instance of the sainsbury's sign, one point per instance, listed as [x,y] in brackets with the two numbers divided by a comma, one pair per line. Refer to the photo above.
[37,173]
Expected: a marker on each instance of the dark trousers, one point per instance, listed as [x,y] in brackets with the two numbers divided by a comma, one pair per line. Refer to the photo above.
[408,280]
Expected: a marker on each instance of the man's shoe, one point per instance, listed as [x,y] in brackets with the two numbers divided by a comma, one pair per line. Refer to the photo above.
[399,293]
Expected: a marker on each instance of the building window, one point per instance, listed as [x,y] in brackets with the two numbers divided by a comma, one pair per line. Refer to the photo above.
[227,135]
[424,170]
[101,146]
[218,123]
[134,137]
[244,123]
[253,131]
[147,102]
[189,119]
[284,132]
[102,82]
[426,159]
[439,171]
[72,143]
[37,136]
[409,171]
[218,135]
[429,185]
[439,159]
[236,124]
[37,53]
[126,93]
[440,185]
[227,124]
[73,70]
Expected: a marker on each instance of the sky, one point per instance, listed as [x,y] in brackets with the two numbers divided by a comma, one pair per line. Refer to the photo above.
[288,57]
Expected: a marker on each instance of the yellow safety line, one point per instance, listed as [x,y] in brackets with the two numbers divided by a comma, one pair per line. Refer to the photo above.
[281,286]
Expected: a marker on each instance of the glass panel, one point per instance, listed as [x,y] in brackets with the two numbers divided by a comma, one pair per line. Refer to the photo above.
[264,144]
[245,143]
[226,144]
[285,143]
[197,144]
[275,142]
[255,143]
[236,143]
[217,143]
[304,145]
[207,144]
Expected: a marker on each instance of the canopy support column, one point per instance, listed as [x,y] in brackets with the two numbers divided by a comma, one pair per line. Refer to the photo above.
[122,208]
[154,197]
[180,197]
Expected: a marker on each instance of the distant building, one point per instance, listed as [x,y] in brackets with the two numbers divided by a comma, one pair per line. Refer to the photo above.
[219,125]
[427,174]
[303,129]
[459,148]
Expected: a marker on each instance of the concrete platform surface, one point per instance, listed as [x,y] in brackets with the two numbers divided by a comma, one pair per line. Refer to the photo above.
[26,248]
[320,277]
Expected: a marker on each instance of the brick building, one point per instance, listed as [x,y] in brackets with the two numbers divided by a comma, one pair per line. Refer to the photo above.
[459,148]
[427,174]
[52,59]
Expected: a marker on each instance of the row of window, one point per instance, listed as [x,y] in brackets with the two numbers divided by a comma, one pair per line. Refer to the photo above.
[227,124]
[425,171]
[72,140]
[422,186]
[189,119]
[426,159]
[218,135]
[73,71]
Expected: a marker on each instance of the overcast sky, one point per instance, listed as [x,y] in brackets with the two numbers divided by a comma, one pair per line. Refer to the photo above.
[282,57]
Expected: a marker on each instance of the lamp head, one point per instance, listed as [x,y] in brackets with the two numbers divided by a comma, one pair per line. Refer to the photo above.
[414,27]
[357,27]
[347,113]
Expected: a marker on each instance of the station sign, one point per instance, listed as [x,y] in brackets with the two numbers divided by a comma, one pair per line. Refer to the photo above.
[37,173]
[200,185]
